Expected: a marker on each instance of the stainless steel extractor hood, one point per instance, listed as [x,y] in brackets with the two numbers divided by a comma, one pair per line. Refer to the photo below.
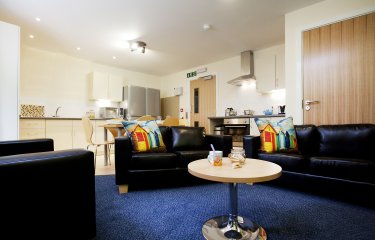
[247,69]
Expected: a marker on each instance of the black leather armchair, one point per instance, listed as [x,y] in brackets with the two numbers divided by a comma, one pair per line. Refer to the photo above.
[46,194]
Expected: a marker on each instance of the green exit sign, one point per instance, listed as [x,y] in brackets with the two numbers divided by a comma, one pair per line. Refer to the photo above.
[191,74]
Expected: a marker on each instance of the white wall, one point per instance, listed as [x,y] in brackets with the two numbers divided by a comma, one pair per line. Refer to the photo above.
[55,79]
[9,79]
[310,17]
[239,98]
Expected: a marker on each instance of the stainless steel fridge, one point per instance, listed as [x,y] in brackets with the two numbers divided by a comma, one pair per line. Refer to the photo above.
[140,101]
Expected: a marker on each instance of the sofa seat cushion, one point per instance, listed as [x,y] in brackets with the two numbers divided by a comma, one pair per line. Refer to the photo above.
[147,161]
[346,168]
[186,157]
[287,161]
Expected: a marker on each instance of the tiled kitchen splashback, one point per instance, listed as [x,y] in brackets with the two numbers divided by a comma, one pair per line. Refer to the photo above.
[32,110]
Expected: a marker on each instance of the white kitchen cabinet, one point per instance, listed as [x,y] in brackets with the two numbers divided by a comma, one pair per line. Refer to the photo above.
[32,128]
[78,135]
[105,86]
[270,69]
[61,133]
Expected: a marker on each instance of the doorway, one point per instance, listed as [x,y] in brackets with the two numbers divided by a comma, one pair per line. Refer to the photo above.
[202,101]
[339,72]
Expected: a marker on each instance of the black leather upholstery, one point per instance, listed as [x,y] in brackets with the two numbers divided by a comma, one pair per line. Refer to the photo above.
[186,157]
[345,168]
[307,139]
[25,146]
[184,145]
[187,138]
[334,153]
[47,195]
[287,161]
[350,140]
[146,161]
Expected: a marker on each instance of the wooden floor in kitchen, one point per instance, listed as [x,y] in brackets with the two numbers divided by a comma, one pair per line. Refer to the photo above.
[104,170]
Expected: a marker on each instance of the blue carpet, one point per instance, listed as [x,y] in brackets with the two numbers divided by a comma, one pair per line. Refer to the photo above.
[179,213]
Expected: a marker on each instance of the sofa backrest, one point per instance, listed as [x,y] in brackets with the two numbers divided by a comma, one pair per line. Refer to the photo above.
[166,134]
[307,139]
[347,140]
[187,138]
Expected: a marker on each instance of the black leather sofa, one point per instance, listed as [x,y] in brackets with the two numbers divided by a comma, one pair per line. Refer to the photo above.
[184,145]
[46,194]
[337,160]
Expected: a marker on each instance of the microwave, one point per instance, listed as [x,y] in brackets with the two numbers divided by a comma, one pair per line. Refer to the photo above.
[110,112]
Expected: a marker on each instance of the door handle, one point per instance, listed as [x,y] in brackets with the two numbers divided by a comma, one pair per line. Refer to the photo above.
[308,102]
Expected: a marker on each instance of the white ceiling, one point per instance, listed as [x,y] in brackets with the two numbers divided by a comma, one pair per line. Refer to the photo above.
[172,29]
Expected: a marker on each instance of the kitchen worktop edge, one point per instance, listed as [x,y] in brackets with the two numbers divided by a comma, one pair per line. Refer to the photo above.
[62,118]
[248,116]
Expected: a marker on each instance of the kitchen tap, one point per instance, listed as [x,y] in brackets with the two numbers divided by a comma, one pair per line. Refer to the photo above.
[56,112]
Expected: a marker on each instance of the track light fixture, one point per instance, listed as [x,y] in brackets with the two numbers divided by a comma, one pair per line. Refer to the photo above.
[138,45]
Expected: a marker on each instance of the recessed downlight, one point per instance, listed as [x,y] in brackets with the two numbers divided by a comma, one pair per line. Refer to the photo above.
[31,36]
[37,19]
[114,57]
[78,48]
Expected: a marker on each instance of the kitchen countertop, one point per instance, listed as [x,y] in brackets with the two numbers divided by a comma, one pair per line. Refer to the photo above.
[248,116]
[62,118]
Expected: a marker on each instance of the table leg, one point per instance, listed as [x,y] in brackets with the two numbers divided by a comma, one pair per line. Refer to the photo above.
[105,148]
[232,226]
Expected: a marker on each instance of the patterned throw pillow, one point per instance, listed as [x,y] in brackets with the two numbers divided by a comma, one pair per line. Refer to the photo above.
[277,136]
[145,136]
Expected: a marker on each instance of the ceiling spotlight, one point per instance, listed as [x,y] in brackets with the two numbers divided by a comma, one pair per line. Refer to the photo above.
[78,48]
[114,57]
[37,19]
[138,45]
[31,36]
[206,27]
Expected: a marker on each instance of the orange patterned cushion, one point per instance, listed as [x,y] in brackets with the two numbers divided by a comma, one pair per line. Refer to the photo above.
[277,136]
[145,136]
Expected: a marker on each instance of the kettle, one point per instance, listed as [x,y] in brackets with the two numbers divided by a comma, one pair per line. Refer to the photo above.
[228,111]
[282,109]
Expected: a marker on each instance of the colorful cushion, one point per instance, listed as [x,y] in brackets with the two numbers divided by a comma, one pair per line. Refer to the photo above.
[145,136]
[277,136]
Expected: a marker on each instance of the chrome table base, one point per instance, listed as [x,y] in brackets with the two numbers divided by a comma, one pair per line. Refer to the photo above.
[221,228]
[232,226]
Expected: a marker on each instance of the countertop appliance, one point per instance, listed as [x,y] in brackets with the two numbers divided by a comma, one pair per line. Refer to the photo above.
[281,109]
[109,112]
[237,127]
[230,112]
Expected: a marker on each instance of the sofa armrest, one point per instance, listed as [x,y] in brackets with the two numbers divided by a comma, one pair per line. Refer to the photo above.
[251,144]
[48,194]
[123,154]
[220,142]
[25,146]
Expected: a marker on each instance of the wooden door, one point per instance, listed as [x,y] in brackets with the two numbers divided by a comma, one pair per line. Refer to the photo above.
[339,72]
[202,101]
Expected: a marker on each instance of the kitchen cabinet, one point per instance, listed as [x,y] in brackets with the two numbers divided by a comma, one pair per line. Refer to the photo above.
[105,86]
[32,128]
[270,69]
[78,135]
[61,133]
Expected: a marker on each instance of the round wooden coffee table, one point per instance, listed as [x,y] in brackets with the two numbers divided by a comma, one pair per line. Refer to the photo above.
[232,226]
